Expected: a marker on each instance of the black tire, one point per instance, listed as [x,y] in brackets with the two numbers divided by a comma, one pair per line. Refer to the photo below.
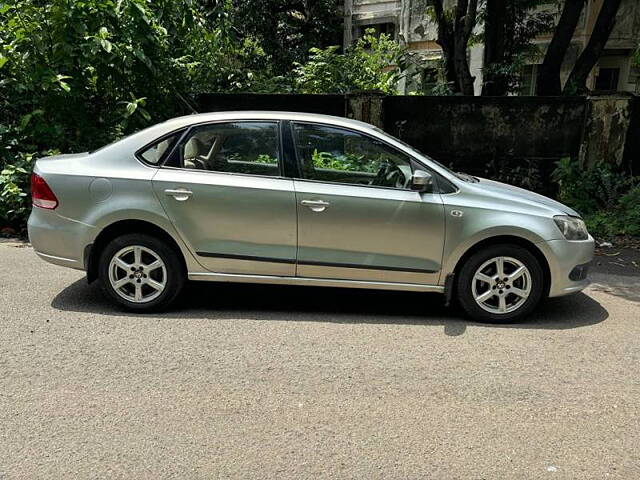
[175,271]
[474,262]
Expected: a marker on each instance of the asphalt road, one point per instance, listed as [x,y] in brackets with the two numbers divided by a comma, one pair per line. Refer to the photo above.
[293,382]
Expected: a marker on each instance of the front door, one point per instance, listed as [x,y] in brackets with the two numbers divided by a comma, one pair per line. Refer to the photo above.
[224,192]
[358,219]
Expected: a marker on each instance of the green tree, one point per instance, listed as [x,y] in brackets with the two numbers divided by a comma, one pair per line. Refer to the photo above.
[75,75]
[372,63]
[287,29]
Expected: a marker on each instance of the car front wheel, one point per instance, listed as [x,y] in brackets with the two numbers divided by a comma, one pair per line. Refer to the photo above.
[140,272]
[502,283]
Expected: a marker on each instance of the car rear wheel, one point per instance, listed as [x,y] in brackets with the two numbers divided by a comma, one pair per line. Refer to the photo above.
[141,273]
[501,284]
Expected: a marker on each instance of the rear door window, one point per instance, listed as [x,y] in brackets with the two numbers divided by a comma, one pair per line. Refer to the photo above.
[251,148]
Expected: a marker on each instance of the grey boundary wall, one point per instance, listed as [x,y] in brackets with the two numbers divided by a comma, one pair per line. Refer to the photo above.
[512,139]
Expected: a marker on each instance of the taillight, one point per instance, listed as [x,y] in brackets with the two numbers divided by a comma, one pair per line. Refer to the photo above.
[41,194]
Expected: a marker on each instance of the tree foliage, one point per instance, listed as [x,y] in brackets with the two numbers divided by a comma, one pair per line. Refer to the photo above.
[76,74]
[372,63]
[288,29]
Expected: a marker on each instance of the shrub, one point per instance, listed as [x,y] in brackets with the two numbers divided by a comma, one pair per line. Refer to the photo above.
[594,188]
[608,199]
[629,212]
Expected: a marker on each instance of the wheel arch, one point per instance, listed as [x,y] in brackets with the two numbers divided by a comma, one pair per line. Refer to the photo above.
[92,251]
[508,239]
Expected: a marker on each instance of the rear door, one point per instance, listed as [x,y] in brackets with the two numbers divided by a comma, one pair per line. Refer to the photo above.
[224,191]
[358,219]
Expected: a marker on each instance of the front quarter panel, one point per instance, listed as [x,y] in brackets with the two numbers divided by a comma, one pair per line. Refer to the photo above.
[471,218]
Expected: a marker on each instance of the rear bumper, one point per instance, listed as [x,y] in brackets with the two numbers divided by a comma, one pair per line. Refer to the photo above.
[57,239]
[567,264]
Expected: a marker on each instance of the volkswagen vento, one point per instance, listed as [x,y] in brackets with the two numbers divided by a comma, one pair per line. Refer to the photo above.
[302,199]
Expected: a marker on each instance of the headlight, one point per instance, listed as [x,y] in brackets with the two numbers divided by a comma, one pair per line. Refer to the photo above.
[573,228]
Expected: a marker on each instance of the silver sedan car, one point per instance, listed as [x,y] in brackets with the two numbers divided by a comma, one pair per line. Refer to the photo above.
[299,199]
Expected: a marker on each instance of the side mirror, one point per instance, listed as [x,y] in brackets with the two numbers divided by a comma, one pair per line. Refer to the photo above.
[421,181]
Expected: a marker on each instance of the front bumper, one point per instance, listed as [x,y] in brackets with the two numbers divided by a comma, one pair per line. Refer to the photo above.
[568,262]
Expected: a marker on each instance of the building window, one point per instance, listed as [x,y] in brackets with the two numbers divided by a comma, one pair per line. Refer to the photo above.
[528,78]
[607,79]
[388,28]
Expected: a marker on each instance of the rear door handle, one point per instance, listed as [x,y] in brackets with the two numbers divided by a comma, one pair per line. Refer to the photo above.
[315,205]
[180,194]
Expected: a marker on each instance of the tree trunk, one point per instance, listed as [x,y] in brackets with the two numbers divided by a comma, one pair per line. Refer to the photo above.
[494,47]
[465,20]
[548,82]
[577,81]
[445,40]
[450,70]
[453,39]
[465,80]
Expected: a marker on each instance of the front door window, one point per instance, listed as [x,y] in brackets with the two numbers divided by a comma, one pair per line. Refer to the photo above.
[331,154]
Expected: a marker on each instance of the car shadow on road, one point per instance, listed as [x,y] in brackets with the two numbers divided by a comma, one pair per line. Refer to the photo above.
[321,304]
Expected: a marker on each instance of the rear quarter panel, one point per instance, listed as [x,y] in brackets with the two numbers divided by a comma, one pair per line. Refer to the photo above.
[95,191]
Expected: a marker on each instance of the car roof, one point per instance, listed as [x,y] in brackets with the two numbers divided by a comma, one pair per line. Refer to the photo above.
[266,115]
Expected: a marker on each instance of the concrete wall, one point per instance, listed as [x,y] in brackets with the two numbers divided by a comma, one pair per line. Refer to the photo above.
[606,128]
[501,137]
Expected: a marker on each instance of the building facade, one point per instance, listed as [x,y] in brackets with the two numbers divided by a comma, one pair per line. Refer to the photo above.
[408,22]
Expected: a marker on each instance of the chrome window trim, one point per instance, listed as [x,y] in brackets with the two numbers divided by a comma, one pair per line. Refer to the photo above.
[250,175]
[379,187]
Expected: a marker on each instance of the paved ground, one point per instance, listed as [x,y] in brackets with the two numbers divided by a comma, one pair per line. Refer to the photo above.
[283,382]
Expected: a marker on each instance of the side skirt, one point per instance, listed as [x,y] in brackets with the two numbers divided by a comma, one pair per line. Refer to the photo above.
[317,282]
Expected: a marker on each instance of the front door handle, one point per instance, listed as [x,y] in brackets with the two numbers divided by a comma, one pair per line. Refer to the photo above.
[180,194]
[315,205]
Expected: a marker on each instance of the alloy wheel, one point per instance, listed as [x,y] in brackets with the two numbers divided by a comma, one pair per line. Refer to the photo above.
[137,274]
[501,285]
